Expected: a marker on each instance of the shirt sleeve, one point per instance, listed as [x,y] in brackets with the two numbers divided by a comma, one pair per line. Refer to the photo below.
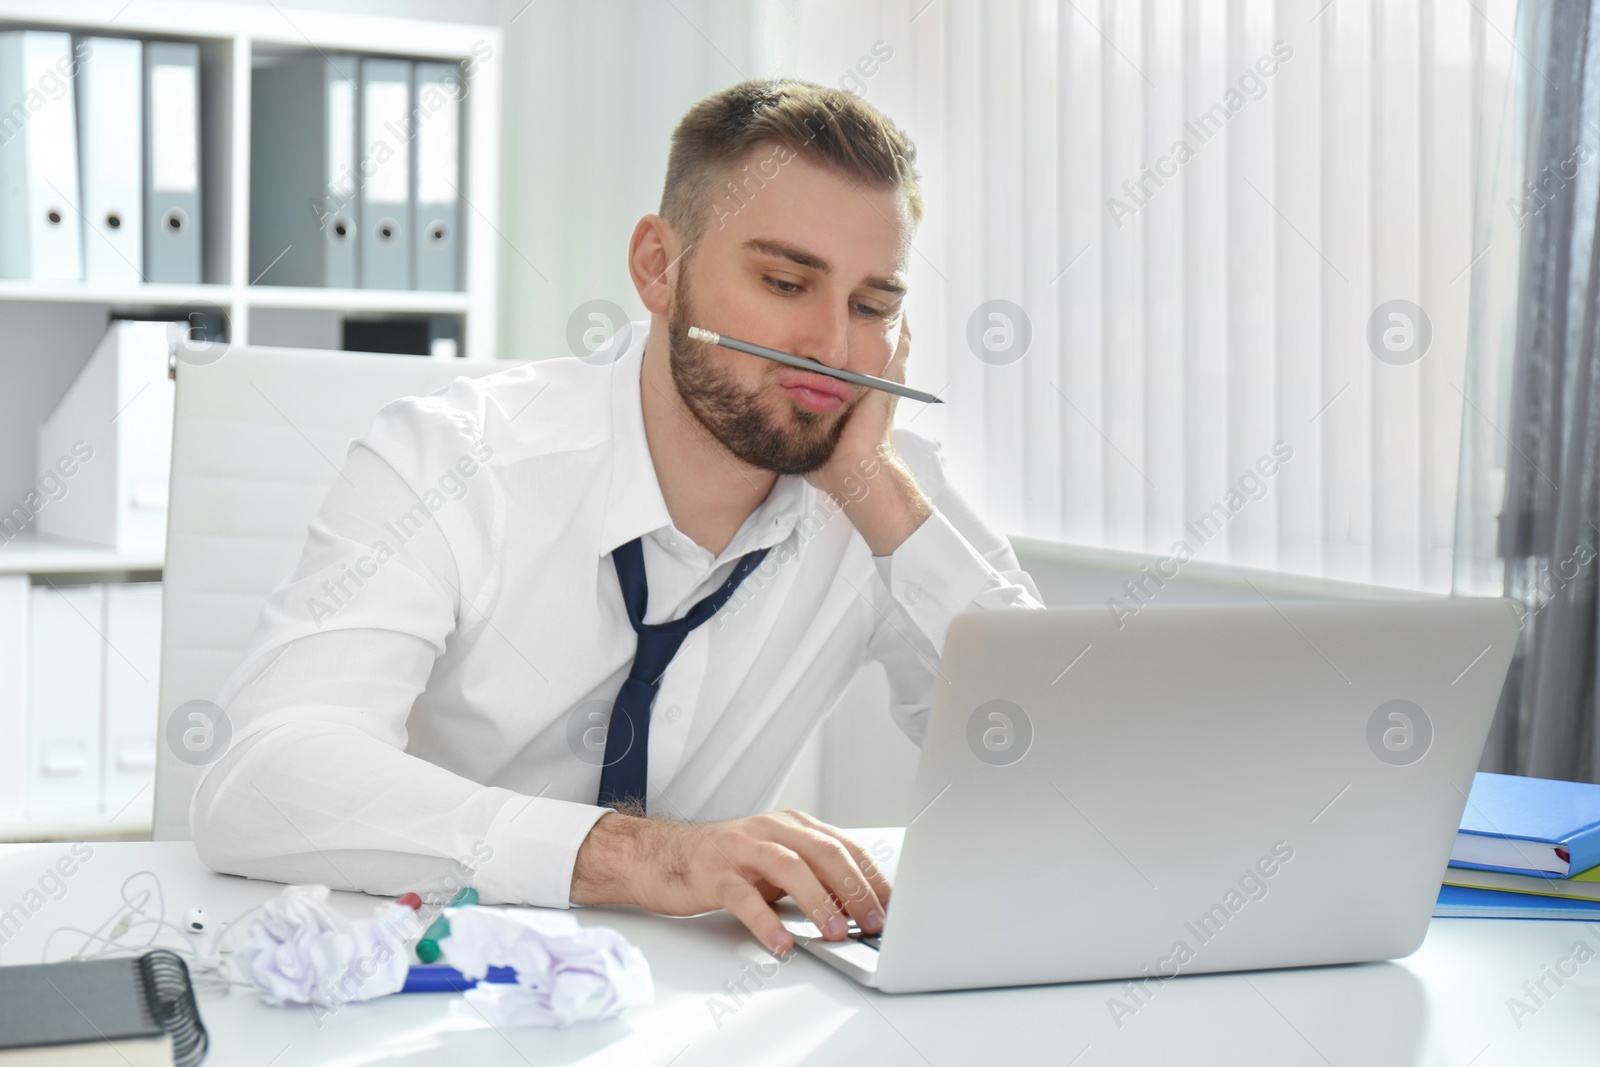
[951,563]
[316,784]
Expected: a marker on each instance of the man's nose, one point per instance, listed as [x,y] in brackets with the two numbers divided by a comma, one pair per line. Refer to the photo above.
[828,339]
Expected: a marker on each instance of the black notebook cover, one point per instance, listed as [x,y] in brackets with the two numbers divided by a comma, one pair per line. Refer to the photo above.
[80,1001]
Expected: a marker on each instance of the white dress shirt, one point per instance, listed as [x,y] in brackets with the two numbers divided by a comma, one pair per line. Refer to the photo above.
[431,685]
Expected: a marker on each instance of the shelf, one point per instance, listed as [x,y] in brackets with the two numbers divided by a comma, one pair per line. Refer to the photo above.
[420,301]
[35,555]
[129,827]
[149,295]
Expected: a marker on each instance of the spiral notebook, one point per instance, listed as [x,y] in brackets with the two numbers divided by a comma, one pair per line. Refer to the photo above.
[125,1012]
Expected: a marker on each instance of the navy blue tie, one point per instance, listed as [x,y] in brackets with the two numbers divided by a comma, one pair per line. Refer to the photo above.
[628,732]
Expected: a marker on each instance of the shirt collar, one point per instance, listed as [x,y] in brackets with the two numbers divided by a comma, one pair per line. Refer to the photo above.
[634,504]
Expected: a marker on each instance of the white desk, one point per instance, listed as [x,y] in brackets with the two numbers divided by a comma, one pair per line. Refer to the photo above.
[1444,1006]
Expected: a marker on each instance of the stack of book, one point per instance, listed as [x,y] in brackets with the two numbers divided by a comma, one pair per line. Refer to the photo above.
[1529,848]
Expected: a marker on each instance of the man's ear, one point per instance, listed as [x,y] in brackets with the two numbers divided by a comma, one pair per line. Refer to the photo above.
[653,261]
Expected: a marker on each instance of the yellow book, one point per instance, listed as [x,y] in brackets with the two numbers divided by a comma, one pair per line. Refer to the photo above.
[1582,886]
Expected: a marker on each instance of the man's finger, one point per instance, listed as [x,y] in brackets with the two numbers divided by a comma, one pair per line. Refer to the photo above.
[783,866]
[838,869]
[869,866]
[879,881]
[896,370]
[750,908]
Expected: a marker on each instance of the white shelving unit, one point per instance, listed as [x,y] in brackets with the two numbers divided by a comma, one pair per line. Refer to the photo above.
[48,329]
[231,36]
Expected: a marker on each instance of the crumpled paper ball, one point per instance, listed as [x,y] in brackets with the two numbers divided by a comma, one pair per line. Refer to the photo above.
[566,972]
[301,951]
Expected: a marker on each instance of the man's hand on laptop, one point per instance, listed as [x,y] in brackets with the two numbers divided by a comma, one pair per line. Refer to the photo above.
[744,865]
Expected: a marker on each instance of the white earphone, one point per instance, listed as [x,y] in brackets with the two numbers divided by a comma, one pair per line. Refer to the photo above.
[142,915]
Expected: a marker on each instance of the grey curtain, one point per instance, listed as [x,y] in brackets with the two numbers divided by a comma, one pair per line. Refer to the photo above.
[1537,379]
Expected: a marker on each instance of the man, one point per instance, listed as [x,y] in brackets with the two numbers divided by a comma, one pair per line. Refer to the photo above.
[470,662]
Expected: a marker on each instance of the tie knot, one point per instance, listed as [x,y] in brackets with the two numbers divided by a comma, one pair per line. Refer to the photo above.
[629,561]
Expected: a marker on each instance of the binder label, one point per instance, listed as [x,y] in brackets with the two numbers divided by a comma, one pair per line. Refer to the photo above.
[341,140]
[387,166]
[52,141]
[438,139]
[174,141]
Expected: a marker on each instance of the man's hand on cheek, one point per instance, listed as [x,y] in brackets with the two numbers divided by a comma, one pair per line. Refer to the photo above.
[743,865]
[867,427]
[866,475]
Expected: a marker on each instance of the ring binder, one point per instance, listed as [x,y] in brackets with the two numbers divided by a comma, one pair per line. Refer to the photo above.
[386,181]
[435,245]
[111,158]
[172,162]
[303,208]
[40,214]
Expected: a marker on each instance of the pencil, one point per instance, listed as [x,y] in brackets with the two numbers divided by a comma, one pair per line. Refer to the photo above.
[811,365]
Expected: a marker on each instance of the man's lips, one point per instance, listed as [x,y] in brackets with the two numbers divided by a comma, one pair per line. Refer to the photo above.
[817,383]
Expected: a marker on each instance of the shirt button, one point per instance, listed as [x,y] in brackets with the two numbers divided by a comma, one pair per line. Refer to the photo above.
[673,713]
[913,594]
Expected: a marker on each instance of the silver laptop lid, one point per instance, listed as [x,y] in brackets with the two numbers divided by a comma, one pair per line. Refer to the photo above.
[1202,788]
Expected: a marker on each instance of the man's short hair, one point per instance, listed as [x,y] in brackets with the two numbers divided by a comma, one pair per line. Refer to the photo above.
[832,128]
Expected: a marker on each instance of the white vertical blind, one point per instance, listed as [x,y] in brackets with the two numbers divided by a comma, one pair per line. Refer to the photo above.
[1224,307]
[1510,112]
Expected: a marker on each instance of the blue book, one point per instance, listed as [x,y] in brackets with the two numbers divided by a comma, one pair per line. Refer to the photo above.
[1537,826]
[1459,902]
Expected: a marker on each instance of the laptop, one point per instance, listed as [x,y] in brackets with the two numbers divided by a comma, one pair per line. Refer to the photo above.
[1189,789]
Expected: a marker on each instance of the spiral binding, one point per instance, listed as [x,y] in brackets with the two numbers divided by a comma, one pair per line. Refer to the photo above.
[171,1000]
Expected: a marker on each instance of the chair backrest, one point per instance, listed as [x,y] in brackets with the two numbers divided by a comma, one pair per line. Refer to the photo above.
[258,438]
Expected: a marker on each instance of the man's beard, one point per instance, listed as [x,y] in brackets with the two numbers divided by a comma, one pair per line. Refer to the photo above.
[737,418]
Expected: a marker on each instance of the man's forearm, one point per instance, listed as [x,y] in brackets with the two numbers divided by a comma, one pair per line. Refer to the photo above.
[742,864]
[892,506]
[619,848]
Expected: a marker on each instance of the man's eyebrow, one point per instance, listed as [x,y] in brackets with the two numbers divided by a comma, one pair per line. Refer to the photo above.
[817,263]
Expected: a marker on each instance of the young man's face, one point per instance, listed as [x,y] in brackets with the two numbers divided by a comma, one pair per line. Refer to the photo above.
[805,263]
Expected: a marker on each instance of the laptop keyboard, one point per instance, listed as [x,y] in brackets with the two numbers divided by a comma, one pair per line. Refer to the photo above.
[856,933]
[805,929]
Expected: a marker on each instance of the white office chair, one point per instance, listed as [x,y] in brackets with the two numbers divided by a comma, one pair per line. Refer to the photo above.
[259,437]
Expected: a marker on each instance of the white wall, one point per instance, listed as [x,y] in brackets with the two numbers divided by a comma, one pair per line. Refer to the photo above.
[592,92]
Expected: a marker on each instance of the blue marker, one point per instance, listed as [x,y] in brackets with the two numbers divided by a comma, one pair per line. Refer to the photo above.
[438,978]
